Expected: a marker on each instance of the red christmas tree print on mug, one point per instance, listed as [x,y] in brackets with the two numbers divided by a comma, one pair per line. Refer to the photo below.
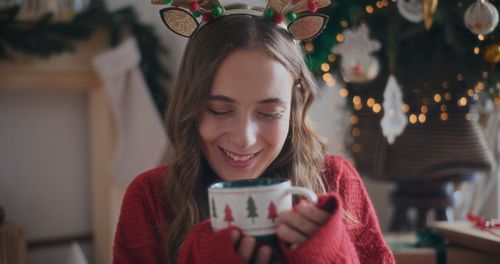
[228,215]
[273,214]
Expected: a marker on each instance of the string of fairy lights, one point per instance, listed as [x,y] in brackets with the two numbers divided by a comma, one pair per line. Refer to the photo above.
[441,98]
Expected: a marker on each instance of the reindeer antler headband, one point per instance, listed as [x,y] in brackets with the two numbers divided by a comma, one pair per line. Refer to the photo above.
[298,16]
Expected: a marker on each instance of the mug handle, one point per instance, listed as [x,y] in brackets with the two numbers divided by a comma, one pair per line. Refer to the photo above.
[310,195]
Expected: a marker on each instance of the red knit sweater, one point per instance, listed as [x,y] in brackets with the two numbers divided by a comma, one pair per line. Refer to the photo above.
[352,237]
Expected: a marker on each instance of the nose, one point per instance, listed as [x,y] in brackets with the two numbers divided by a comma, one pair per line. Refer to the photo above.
[244,132]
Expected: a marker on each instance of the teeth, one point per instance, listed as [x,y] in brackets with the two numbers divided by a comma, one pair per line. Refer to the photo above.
[238,158]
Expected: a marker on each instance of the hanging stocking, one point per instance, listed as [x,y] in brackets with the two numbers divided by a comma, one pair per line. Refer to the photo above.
[141,136]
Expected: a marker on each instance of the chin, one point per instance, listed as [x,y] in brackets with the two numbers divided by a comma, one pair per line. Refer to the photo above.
[238,176]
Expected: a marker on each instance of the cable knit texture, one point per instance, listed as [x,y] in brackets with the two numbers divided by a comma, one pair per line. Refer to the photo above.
[351,235]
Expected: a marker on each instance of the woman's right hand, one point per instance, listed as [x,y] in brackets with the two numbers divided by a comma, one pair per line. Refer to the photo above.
[247,246]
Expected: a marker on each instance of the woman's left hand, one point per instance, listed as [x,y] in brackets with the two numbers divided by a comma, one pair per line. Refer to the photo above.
[297,226]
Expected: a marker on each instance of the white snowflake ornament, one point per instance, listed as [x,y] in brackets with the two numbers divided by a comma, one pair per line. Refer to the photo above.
[358,64]
[394,121]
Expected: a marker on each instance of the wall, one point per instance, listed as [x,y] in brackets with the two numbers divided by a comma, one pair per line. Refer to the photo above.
[44,182]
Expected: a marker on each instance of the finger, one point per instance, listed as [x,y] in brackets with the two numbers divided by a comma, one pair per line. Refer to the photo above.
[264,255]
[235,236]
[299,223]
[289,234]
[245,250]
[313,213]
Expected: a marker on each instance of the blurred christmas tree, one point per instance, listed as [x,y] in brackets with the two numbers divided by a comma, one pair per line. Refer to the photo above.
[442,66]
[447,57]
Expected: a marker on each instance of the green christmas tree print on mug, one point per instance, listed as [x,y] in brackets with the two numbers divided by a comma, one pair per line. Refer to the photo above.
[252,209]
[214,210]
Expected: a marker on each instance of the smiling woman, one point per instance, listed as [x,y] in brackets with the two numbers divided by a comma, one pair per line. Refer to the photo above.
[256,72]
[239,110]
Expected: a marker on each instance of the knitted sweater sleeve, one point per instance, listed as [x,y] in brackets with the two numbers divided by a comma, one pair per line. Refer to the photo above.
[330,244]
[352,234]
[137,233]
[203,245]
[363,228]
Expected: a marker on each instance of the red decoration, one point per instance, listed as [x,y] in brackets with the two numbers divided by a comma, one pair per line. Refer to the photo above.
[487,225]
[228,215]
[478,25]
[194,6]
[481,222]
[277,18]
[273,214]
[207,17]
[312,6]
[358,70]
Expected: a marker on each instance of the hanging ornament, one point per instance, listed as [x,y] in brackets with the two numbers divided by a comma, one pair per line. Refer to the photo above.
[492,53]
[394,121]
[481,17]
[428,9]
[411,10]
[358,65]
[360,70]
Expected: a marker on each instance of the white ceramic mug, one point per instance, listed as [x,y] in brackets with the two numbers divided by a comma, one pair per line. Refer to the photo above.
[252,205]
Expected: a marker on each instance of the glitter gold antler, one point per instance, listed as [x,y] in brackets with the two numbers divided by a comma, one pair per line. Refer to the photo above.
[298,15]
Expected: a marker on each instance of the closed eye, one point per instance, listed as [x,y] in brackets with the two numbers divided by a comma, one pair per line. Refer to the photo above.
[272,115]
[218,113]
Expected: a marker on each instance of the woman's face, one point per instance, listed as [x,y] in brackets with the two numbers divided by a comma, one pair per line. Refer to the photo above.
[246,120]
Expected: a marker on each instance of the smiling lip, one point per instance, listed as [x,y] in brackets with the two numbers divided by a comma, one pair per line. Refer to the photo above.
[239,161]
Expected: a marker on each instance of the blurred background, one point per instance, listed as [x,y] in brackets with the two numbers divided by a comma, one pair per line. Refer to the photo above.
[409,94]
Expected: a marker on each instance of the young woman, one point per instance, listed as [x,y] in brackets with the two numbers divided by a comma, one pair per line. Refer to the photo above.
[239,111]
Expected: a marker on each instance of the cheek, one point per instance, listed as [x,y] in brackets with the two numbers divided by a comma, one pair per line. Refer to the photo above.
[207,129]
[276,134]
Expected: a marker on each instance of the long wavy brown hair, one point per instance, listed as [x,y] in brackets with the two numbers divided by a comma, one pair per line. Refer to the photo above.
[300,160]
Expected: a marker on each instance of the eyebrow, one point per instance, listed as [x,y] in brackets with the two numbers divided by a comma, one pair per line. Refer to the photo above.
[223,98]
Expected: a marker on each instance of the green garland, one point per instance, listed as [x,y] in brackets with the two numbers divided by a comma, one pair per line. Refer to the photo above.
[421,60]
[45,37]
